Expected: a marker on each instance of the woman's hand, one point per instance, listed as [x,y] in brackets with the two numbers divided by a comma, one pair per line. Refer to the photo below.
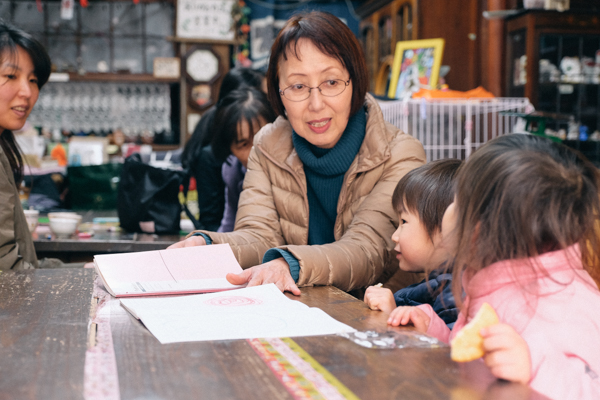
[410,315]
[378,298]
[506,353]
[189,242]
[276,271]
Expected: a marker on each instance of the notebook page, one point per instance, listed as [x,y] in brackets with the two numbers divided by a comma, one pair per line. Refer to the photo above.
[200,262]
[132,267]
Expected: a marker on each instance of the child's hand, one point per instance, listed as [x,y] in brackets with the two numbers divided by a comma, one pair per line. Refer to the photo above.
[406,315]
[378,298]
[506,353]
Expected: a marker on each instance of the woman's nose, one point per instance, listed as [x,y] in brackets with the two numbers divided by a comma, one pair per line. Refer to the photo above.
[25,88]
[315,99]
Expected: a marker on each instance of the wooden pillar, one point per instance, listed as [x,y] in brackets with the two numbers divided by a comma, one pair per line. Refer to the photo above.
[495,50]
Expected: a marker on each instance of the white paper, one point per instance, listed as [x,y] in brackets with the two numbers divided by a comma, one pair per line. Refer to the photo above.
[255,312]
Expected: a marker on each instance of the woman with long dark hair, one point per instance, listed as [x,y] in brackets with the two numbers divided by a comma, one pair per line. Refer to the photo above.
[24,69]
[239,116]
[198,156]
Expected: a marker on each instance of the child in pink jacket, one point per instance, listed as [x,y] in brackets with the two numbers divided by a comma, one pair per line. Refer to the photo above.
[523,222]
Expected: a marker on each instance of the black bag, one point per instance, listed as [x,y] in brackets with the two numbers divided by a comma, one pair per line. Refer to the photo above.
[148,198]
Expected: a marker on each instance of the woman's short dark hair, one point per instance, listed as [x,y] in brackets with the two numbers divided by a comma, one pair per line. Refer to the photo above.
[11,38]
[247,104]
[427,191]
[332,37]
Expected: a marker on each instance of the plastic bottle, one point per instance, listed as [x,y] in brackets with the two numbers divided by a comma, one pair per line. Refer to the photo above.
[192,199]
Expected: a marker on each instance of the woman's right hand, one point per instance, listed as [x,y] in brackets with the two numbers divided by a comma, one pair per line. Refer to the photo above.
[189,242]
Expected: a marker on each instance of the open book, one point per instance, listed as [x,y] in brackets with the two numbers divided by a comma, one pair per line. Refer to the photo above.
[195,269]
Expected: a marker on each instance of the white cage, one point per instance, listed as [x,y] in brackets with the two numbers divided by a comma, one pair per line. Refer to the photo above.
[454,128]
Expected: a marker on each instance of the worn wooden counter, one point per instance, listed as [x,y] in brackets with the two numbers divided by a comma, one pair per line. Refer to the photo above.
[43,340]
[75,249]
[44,316]
[83,250]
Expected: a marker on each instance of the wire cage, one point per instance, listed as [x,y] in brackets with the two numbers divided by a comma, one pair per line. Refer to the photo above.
[454,128]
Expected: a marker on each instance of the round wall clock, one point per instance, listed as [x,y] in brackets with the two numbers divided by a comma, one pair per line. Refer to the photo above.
[202,69]
[202,65]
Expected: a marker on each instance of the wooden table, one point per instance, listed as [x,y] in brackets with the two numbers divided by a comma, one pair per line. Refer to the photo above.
[43,339]
[75,249]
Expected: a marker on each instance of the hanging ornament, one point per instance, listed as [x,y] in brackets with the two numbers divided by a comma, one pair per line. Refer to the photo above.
[84,3]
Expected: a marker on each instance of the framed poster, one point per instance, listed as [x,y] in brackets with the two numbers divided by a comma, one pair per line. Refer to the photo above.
[416,65]
[205,19]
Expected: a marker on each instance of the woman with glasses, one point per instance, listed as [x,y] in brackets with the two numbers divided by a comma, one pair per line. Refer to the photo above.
[316,206]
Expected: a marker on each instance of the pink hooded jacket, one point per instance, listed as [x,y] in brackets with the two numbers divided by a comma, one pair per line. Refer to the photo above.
[554,304]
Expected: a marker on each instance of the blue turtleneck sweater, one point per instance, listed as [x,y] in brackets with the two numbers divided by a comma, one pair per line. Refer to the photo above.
[325,170]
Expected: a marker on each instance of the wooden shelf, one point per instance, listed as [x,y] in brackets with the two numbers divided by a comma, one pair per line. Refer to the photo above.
[165,147]
[115,77]
[203,41]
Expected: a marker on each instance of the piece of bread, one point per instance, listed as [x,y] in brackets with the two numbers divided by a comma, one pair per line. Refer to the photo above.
[467,345]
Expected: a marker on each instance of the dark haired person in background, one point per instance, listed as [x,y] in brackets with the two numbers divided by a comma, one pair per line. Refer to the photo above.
[199,159]
[316,206]
[239,116]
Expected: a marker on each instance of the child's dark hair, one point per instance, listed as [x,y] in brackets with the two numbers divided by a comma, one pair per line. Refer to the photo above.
[248,105]
[427,191]
[236,78]
[520,196]
[240,77]
[11,38]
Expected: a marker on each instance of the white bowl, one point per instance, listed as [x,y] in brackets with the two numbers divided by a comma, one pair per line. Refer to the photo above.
[64,224]
[32,219]
[71,215]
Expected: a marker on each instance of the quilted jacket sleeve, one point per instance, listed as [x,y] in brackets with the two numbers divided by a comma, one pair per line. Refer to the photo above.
[361,255]
[257,221]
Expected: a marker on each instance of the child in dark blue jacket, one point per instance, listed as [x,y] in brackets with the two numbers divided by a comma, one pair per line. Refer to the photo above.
[421,198]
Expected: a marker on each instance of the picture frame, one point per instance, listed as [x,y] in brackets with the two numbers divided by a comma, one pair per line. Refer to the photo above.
[167,67]
[416,65]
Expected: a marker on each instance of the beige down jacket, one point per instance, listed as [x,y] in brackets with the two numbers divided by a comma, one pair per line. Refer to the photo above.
[273,207]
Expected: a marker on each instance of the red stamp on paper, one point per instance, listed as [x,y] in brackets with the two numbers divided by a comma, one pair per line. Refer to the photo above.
[232,301]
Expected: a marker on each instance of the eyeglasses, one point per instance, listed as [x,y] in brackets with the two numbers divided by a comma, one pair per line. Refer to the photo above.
[300,92]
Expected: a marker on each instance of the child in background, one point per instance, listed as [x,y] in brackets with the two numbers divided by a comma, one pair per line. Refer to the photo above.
[198,156]
[421,198]
[238,116]
[523,220]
